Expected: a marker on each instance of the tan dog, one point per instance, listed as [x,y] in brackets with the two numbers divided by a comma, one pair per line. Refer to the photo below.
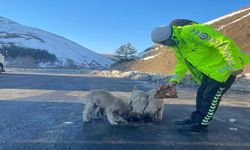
[101,100]
[155,107]
[138,101]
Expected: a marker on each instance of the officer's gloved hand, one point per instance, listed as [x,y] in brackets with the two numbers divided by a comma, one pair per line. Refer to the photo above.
[235,73]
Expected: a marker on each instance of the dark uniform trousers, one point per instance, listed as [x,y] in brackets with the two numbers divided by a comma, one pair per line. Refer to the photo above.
[208,98]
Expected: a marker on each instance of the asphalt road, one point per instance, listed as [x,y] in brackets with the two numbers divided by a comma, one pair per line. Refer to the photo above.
[44,111]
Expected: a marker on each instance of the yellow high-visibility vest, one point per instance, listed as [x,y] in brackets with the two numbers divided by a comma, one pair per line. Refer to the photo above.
[203,50]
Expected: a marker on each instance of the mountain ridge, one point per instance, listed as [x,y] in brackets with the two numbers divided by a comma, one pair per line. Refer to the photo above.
[12,33]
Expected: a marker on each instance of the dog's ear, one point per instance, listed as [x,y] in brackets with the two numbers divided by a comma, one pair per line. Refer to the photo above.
[135,88]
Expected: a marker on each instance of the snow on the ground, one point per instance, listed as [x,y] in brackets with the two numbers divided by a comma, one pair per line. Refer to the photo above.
[242,82]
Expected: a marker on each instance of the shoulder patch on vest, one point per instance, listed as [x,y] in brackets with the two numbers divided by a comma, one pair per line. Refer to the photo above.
[203,36]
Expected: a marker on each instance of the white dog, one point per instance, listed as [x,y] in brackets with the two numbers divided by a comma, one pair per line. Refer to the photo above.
[138,101]
[145,106]
[155,107]
[99,101]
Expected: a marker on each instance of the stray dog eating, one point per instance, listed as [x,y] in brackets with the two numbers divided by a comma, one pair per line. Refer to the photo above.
[100,102]
[155,107]
[145,106]
[138,101]
[149,106]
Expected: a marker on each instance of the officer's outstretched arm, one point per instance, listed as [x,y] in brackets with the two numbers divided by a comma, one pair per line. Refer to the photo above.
[180,69]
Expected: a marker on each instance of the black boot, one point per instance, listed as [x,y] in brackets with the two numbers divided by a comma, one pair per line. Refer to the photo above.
[184,122]
[192,128]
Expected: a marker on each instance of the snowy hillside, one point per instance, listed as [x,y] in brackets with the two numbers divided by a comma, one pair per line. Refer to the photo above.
[12,33]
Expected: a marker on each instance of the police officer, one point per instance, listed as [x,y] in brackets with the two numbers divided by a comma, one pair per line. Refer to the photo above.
[213,60]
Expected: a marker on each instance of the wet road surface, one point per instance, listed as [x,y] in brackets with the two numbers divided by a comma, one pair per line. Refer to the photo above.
[44,111]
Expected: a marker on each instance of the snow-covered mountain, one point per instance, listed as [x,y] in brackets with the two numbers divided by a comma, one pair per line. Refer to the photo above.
[158,59]
[12,33]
